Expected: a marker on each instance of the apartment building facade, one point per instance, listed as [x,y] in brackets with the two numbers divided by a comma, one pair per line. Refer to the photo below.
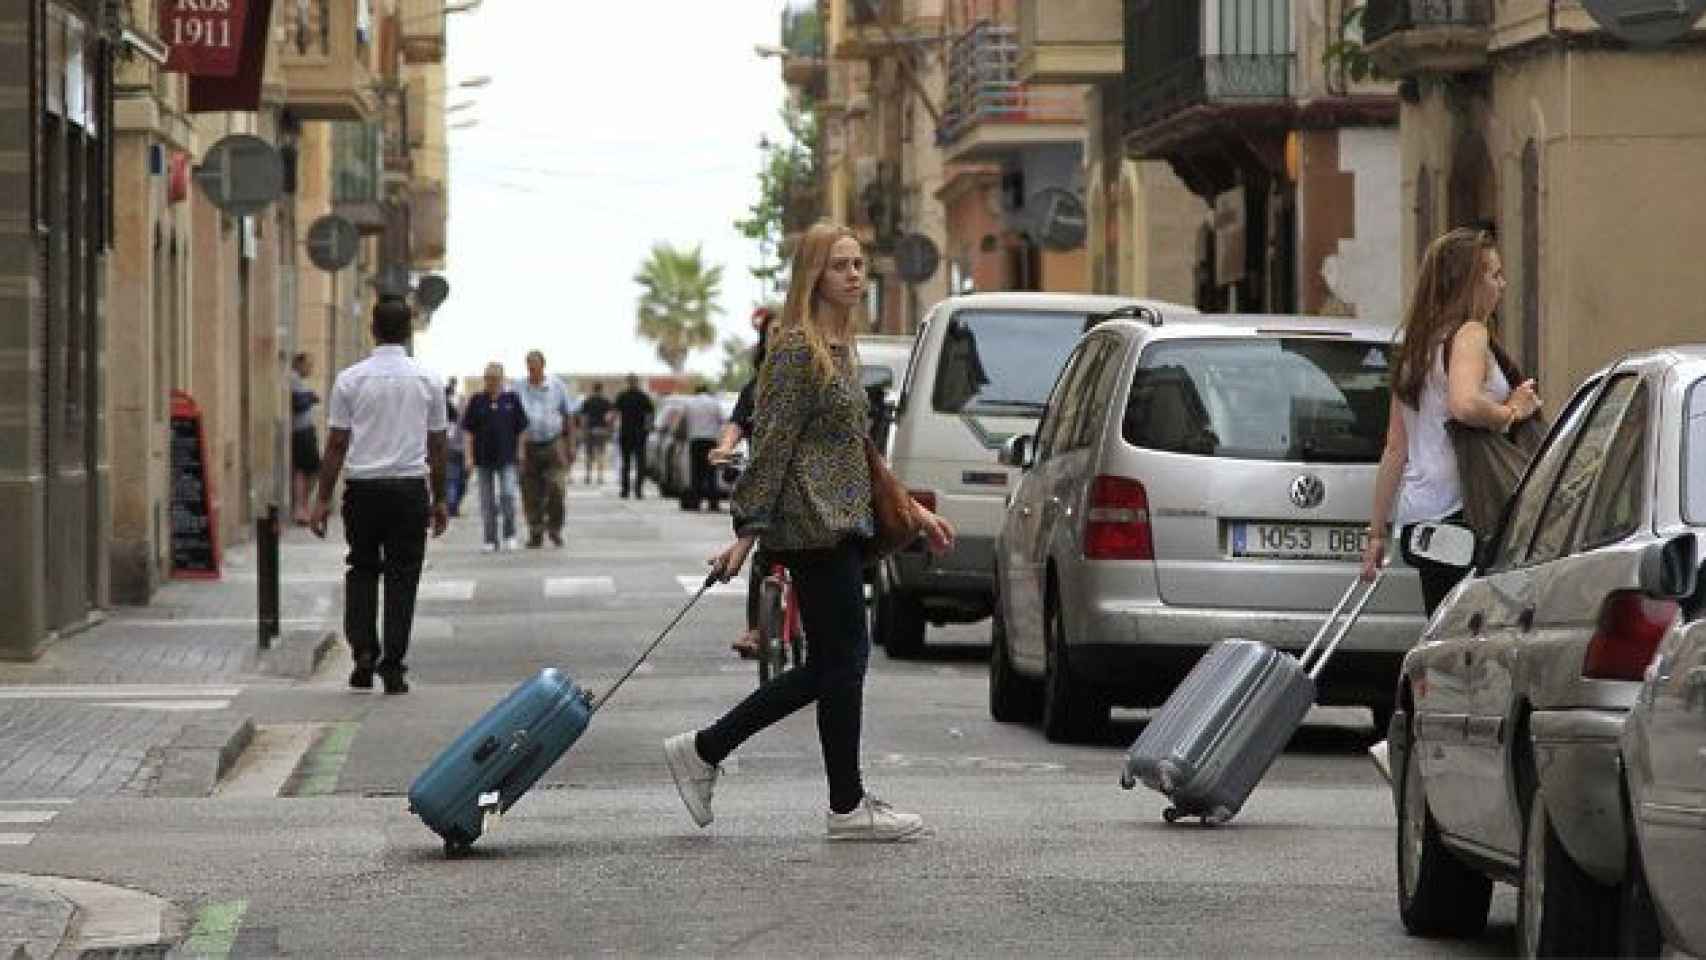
[1582,151]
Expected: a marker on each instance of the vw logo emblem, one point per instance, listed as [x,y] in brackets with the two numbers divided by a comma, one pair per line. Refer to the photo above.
[1308,491]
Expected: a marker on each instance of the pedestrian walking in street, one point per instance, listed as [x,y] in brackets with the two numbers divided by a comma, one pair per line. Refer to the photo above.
[547,453]
[704,418]
[494,422]
[304,442]
[634,411]
[595,414]
[386,431]
[1448,326]
[456,466]
[737,429]
[807,495]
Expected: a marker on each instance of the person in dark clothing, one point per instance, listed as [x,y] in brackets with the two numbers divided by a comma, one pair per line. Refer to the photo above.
[737,429]
[594,416]
[386,419]
[456,461]
[495,422]
[634,415]
[304,443]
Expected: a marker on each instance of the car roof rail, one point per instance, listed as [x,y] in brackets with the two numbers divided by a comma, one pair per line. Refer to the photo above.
[1134,311]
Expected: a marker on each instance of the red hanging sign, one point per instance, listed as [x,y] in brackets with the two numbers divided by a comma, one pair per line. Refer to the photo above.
[205,36]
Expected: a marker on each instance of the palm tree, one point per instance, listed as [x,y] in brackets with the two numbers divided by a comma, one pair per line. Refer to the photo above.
[675,308]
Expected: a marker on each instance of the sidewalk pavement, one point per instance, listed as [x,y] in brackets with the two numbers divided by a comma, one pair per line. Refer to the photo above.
[109,710]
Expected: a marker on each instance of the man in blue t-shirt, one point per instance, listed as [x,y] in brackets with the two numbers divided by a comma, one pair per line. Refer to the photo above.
[494,423]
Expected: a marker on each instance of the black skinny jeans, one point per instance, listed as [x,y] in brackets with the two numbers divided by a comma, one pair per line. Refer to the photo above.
[633,458]
[385,524]
[831,595]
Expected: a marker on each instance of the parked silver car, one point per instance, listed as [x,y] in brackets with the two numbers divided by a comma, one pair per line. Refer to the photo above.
[1507,741]
[1193,478]
[1664,739]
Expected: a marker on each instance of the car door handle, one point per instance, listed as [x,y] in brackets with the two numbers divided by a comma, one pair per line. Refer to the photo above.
[1525,620]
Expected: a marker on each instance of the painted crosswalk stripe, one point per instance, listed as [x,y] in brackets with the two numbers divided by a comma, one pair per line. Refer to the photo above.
[16,839]
[735,587]
[446,590]
[39,802]
[169,706]
[111,691]
[579,586]
[27,816]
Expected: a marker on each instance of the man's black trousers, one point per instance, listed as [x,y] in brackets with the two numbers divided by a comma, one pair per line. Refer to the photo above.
[633,456]
[385,524]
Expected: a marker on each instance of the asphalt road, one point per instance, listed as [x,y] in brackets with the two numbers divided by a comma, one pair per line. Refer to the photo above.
[1031,848]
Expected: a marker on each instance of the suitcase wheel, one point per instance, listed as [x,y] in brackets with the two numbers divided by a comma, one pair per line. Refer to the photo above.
[1171,814]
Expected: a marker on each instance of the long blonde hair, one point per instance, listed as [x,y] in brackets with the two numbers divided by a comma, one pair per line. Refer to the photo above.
[804,309]
[1443,299]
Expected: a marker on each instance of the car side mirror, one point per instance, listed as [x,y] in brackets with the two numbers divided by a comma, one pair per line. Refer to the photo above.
[1670,569]
[1450,544]
[1016,451]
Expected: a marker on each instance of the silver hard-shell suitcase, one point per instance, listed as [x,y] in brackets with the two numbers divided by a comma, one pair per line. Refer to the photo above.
[1221,728]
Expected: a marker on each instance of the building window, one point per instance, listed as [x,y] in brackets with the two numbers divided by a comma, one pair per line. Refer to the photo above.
[1530,353]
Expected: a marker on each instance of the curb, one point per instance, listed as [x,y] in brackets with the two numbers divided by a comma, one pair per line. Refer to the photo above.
[201,753]
[298,653]
[98,917]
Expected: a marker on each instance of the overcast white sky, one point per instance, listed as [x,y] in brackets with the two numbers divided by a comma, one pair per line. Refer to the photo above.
[606,127]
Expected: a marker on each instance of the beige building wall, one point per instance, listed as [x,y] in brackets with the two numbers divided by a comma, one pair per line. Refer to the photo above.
[1158,222]
[1618,143]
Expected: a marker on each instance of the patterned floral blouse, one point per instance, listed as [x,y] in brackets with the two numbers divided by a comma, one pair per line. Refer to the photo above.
[807,485]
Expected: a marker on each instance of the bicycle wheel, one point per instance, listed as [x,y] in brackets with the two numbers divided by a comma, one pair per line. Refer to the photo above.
[772,655]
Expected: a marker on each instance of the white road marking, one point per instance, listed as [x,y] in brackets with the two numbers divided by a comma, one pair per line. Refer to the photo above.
[168,624]
[445,590]
[692,583]
[16,839]
[27,816]
[579,586]
[107,691]
[171,706]
[40,802]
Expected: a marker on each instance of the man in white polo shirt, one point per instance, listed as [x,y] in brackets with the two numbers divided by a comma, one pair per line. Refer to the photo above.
[387,420]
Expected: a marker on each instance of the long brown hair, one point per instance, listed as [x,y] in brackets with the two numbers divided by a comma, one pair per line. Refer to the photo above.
[1443,299]
[804,309]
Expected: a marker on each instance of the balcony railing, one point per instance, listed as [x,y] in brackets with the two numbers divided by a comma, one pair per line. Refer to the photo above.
[1214,79]
[1381,18]
[983,86]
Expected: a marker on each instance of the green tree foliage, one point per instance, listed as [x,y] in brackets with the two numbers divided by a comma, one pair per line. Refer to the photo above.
[737,363]
[679,296]
[1346,52]
[787,193]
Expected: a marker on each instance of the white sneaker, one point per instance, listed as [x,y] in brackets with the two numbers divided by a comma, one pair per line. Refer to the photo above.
[512,544]
[488,548]
[694,778]
[874,820]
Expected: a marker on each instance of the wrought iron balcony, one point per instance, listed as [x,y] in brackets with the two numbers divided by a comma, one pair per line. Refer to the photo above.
[1405,37]
[984,89]
[1225,78]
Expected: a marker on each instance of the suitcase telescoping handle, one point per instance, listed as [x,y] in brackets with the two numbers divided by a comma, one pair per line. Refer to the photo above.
[1315,667]
[710,578]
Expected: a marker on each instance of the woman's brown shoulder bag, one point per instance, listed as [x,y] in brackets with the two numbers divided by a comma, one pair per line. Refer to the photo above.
[1490,464]
[896,520]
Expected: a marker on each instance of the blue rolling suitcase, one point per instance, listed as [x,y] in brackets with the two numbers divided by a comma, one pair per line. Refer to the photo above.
[1225,723]
[490,766]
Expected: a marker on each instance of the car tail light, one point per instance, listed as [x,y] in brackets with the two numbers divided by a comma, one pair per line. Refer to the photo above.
[925,498]
[1116,525]
[1631,624]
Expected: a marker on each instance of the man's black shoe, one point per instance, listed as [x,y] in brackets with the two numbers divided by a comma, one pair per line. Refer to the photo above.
[556,538]
[361,678]
[394,683]
[535,541]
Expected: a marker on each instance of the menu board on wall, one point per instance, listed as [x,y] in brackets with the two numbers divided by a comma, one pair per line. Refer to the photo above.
[195,522]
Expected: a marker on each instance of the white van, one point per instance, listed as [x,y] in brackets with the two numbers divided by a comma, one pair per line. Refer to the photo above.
[981,371]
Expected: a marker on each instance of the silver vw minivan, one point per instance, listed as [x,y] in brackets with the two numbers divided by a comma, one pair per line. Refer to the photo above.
[1194,478]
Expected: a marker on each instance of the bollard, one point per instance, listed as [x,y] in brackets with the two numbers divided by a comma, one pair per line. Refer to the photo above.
[266,576]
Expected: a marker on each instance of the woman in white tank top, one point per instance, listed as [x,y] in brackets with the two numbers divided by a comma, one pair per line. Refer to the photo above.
[1457,289]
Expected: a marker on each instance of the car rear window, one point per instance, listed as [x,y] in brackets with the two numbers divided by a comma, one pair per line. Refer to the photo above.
[1003,361]
[1272,398]
[1694,456]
